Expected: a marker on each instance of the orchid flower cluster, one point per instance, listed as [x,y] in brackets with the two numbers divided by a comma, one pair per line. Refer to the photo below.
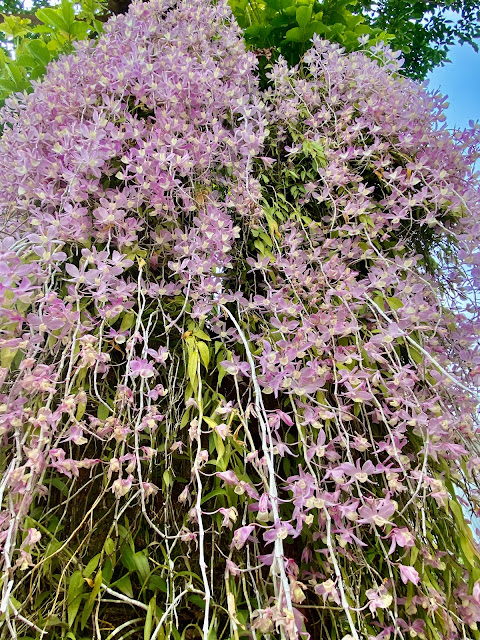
[238,348]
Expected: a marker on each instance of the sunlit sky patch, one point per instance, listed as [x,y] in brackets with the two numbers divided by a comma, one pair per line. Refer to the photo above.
[460,81]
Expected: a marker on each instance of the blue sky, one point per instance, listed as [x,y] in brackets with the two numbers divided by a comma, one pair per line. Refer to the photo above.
[460,80]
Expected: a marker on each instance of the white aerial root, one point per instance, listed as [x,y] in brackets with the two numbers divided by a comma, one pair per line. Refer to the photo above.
[30,624]
[167,613]
[267,446]
[336,567]
[198,511]
[415,344]
[124,598]
[338,573]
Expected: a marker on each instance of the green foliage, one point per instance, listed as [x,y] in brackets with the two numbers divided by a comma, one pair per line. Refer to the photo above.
[18,6]
[287,26]
[28,47]
[423,31]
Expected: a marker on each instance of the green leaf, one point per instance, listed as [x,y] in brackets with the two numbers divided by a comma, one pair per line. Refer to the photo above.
[278,5]
[167,478]
[295,35]
[25,60]
[156,583]
[380,302]
[124,585]
[109,546]
[204,353]
[335,29]
[15,26]
[128,321]
[91,599]
[7,354]
[303,16]
[197,600]
[415,354]
[260,246]
[102,412]
[414,555]
[141,565]
[107,571]
[127,559]
[213,494]
[58,484]
[79,30]
[147,630]
[76,587]
[98,26]
[53,19]
[91,566]
[68,12]
[192,367]
[198,333]
[464,535]
[81,408]
[219,446]
[211,422]
[39,50]
[394,303]
[54,45]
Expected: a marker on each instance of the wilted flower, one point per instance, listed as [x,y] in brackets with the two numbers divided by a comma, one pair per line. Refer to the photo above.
[379,598]
[122,486]
[241,536]
[149,489]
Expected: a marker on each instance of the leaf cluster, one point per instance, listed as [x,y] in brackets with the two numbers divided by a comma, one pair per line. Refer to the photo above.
[423,31]
[30,43]
[286,27]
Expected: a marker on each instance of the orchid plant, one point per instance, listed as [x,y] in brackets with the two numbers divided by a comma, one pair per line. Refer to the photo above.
[239,352]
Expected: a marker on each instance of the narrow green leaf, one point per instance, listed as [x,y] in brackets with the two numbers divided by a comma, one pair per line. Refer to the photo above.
[127,559]
[58,484]
[124,585]
[156,583]
[204,354]
[147,630]
[102,412]
[109,546]
[213,494]
[394,303]
[91,566]
[192,367]
[141,565]
[107,571]
[76,587]
[87,610]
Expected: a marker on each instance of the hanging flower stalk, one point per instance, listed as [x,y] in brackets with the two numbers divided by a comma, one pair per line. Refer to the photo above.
[238,348]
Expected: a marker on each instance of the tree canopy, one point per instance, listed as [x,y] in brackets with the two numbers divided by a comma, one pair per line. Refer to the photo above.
[422,31]
[425,31]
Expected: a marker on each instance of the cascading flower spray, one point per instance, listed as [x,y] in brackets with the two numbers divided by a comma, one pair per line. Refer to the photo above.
[239,344]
